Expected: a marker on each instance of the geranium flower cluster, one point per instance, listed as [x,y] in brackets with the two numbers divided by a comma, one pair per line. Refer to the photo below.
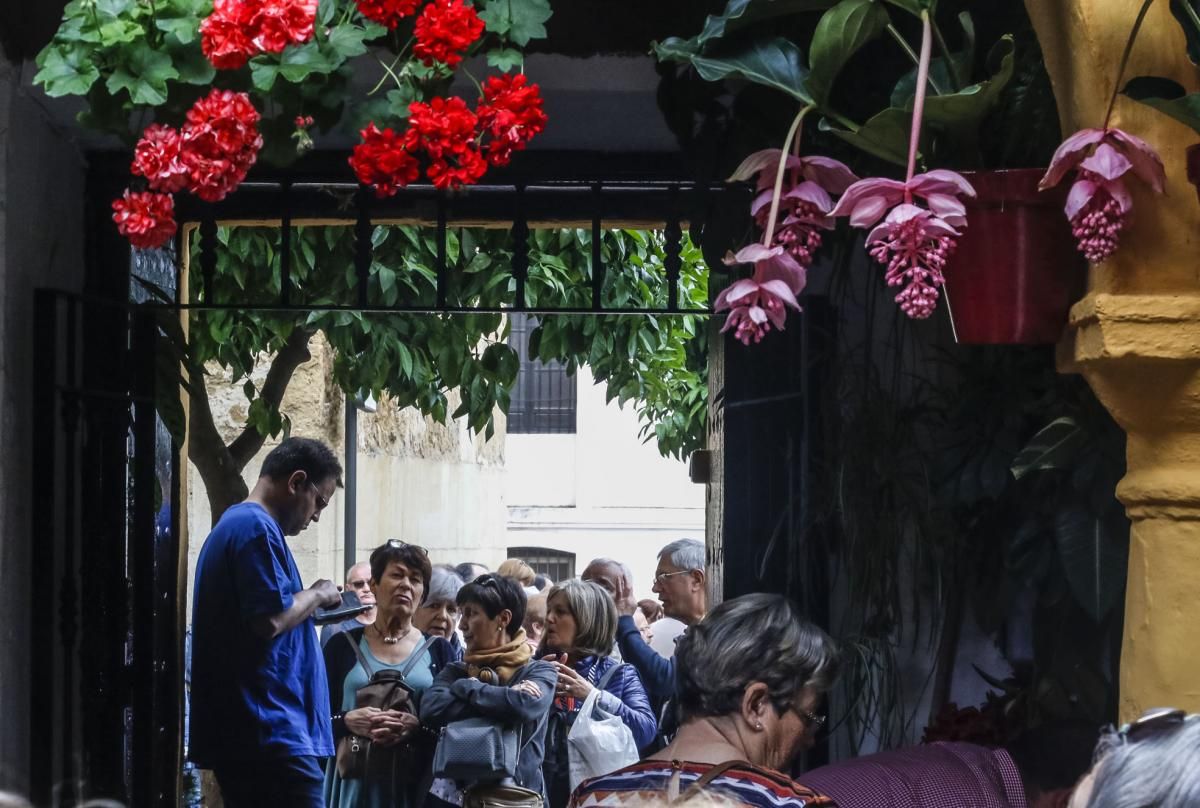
[458,144]
[387,12]
[238,30]
[208,156]
[1099,204]
[444,31]
[757,303]
[912,241]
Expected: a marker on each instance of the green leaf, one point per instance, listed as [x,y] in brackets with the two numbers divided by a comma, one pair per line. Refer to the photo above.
[842,31]
[961,113]
[1188,14]
[915,7]
[184,29]
[144,74]
[774,63]
[120,32]
[1094,552]
[517,20]
[1053,447]
[297,64]
[505,59]
[939,68]
[1166,96]
[193,67]
[65,73]
[885,135]
[738,14]
[347,41]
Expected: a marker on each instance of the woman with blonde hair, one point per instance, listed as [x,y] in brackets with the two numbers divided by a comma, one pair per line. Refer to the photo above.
[521,572]
[581,626]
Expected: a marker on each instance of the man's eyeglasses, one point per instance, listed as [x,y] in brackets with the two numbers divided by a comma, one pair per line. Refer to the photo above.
[814,721]
[398,544]
[661,577]
[322,503]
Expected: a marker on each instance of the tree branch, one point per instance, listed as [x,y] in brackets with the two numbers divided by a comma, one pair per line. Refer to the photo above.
[206,449]
[292,355]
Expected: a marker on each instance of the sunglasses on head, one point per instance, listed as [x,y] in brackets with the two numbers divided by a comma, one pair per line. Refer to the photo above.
[397,544]
[1150,723]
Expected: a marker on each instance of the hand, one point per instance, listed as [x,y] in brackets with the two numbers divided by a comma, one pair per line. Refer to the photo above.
[328,592]
[625,599]
[390,727]
[570,683]
[529,688]
[360,720]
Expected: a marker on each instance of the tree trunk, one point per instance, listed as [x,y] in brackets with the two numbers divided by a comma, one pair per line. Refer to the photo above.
[221,466]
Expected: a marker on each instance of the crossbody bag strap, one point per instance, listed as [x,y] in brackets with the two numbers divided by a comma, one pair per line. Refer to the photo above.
[362,658]
[712,774]
[608,676]
[416,655]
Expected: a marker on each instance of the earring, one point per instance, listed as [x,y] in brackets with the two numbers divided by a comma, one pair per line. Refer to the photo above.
[758,726]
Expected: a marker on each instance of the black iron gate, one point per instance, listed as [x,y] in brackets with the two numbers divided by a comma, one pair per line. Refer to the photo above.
[107,655]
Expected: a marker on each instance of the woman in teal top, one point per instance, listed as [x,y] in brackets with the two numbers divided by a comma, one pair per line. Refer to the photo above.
[399,578]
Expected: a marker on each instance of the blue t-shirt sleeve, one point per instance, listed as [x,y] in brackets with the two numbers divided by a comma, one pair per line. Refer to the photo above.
[262,574]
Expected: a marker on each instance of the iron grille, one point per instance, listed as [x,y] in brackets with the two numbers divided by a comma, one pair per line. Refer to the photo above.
[557,565]
[543,399]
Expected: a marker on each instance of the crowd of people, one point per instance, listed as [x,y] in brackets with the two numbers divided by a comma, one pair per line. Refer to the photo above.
[460,686]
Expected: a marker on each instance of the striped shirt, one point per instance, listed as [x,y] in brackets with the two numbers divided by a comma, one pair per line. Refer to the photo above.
[937,775]
[650,780]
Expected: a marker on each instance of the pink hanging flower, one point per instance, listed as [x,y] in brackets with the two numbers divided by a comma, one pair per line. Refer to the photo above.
[805,202]
[759,302]
[1099,204]
[913,242]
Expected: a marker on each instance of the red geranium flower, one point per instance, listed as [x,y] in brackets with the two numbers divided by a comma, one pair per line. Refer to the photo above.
[445,129]
[445,29]
[383,162]
[510,113]
[387,12]
[224,35]
[220,143]
[157,158]
[146,219]
[281,23]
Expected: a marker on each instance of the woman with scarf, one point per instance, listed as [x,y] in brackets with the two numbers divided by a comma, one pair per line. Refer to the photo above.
[581,626]
[498,679]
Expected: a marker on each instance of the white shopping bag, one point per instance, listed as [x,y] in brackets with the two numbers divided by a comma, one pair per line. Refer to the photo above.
[598,743]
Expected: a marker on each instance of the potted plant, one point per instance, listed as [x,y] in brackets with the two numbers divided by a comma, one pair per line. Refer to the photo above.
[1012,275]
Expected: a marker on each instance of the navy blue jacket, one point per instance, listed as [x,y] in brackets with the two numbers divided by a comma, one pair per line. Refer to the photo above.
[658,674]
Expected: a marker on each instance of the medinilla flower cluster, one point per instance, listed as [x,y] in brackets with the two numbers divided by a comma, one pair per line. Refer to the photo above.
[1099,203]
[457,143]
[209,156]
[239,30]
[792,206]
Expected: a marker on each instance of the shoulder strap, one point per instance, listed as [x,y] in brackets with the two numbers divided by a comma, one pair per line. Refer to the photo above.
[608,676]
[362,659]
[706,778]
[416,655]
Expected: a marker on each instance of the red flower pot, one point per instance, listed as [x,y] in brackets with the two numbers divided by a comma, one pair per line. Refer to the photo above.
[1193,166]
[1016,271]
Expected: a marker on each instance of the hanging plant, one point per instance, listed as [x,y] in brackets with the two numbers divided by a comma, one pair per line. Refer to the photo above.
[282,67]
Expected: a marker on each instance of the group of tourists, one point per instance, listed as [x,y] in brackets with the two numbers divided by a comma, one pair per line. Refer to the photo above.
[459,686]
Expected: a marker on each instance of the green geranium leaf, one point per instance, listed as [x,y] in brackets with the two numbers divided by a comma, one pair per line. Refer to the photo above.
[1188,14]
[263,73]
[399,99]
[347,41]
[144,75]
[517,20]
[1168,97]
[193,66]
[112,9]
[120,32]
[774,63]
[961,113]
[505,59]
[297,64]
[326,10]
[65,73]
[841,32]
[885,135]
[185,29]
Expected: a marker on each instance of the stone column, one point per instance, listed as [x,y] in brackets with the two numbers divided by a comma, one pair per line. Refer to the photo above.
[1135,337]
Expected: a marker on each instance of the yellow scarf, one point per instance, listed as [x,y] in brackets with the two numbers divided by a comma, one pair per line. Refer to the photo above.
[497,665]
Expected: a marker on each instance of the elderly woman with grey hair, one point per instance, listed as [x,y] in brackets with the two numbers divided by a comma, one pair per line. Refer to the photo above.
[581,622]
[751,676]
[438,613]
[1153,762]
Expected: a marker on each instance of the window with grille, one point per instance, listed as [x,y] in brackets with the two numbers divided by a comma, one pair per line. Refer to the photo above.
[557,565]
[543,399]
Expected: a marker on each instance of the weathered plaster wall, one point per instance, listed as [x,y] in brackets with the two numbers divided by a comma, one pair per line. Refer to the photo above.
[41,244]
[433,485]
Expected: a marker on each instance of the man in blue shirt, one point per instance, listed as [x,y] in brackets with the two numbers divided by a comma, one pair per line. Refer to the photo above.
[679,582]
[260,714]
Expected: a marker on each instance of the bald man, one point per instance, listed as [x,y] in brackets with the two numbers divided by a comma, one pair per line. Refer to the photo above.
[358,581]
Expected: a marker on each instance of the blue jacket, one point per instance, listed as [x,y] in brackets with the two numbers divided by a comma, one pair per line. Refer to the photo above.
[657,673]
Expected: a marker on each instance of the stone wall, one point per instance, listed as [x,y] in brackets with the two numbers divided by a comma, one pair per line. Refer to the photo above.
[41,244]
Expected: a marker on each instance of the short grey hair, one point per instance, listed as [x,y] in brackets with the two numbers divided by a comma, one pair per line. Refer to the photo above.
[686,554]
[789,654]
[595,616]
[443,587]
[1161,769]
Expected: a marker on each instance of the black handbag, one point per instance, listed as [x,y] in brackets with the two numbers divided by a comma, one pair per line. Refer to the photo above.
[358,757]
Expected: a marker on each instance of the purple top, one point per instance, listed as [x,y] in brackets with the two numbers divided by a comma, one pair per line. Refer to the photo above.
[929,776]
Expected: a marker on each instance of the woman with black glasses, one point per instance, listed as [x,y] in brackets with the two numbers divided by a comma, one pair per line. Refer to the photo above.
[498,680]
[383,754]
